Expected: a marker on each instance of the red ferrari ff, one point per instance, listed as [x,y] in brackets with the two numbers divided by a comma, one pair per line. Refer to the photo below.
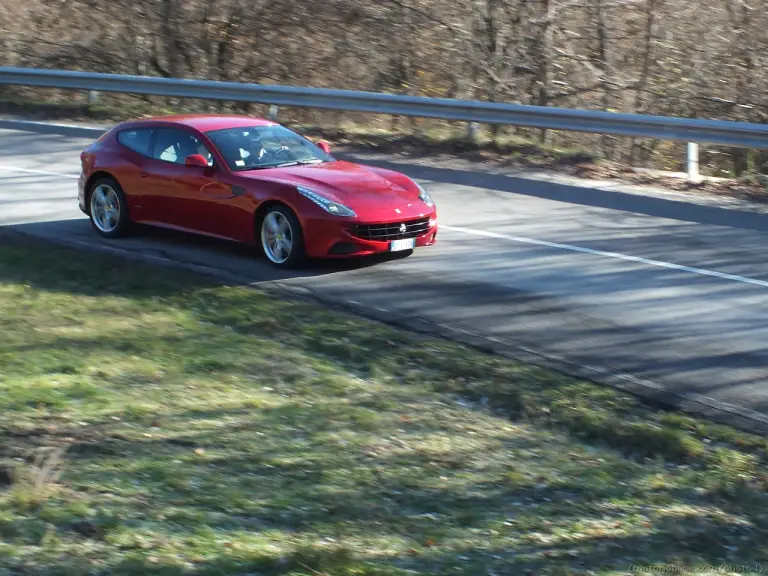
[252,181]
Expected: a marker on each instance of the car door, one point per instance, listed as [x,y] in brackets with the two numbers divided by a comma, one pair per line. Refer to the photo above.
[189,193]
[144,203]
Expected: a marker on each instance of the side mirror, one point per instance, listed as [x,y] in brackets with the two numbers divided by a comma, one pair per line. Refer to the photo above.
[324,146]
[196,160]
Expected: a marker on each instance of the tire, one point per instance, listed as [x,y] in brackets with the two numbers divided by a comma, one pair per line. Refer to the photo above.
[277,252]
[106,192]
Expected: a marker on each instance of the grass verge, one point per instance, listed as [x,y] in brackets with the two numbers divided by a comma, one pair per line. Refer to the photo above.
[157,422]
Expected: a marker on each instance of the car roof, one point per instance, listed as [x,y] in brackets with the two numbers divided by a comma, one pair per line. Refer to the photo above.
[204,122]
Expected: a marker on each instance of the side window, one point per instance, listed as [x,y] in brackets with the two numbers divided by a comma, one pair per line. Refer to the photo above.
[173,145]
[136,140]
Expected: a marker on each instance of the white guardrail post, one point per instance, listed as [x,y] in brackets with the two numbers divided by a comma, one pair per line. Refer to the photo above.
[693,162]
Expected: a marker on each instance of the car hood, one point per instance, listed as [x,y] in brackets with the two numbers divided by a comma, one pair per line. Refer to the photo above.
[351,184]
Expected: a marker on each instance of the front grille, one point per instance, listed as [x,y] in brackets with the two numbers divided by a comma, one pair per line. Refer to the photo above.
[391,230]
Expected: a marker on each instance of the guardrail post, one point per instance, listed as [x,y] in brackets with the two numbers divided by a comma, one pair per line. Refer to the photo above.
[93,97]
[472,131]
[273,110]
[693,162]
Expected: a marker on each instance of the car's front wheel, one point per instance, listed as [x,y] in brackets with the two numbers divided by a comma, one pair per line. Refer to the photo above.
[282,240]
[108,208]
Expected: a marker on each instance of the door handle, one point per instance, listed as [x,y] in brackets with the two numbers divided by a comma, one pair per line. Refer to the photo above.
[143,175]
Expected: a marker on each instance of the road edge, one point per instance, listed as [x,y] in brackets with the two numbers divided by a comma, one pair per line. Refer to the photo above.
[69,130]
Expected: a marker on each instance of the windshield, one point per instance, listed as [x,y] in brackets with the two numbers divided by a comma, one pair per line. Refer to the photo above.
[256,147]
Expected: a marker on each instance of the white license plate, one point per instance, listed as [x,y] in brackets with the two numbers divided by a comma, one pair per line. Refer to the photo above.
[406,244]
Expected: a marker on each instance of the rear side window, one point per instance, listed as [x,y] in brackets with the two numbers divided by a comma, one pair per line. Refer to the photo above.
[136,140]
[173,145]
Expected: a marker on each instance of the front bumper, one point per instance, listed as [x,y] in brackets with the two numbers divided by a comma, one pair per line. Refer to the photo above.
[328,238]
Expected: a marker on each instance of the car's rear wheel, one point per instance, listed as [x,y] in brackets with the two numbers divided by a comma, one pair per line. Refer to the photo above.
[108,208]
[282,239]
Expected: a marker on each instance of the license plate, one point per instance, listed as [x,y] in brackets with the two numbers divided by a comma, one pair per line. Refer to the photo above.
[406,244]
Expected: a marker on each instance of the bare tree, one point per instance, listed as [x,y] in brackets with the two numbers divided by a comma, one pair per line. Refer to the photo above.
[666,57]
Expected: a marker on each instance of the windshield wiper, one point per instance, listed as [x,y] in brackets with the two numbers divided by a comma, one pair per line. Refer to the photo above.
[292,163]
[262,167]
[300,162]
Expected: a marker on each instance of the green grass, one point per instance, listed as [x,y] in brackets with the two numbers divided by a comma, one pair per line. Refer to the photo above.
[211,429]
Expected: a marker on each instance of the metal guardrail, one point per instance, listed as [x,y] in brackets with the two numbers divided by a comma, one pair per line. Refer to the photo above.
[720,132]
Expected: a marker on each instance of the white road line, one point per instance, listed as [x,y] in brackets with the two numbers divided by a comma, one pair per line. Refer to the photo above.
[30,171]
[658,263]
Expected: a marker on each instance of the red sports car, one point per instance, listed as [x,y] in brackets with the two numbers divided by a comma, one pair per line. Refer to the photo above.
[252,181]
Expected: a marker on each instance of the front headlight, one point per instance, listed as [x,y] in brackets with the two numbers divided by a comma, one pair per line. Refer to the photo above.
[424,196]
[328,205]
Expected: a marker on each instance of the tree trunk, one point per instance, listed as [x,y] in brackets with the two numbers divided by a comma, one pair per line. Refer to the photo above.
[544,75]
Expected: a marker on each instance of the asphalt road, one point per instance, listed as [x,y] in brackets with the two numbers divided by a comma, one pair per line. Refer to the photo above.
[653,288]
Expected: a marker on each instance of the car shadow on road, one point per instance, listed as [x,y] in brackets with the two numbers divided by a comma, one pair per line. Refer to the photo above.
[609,199]
[186,249]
